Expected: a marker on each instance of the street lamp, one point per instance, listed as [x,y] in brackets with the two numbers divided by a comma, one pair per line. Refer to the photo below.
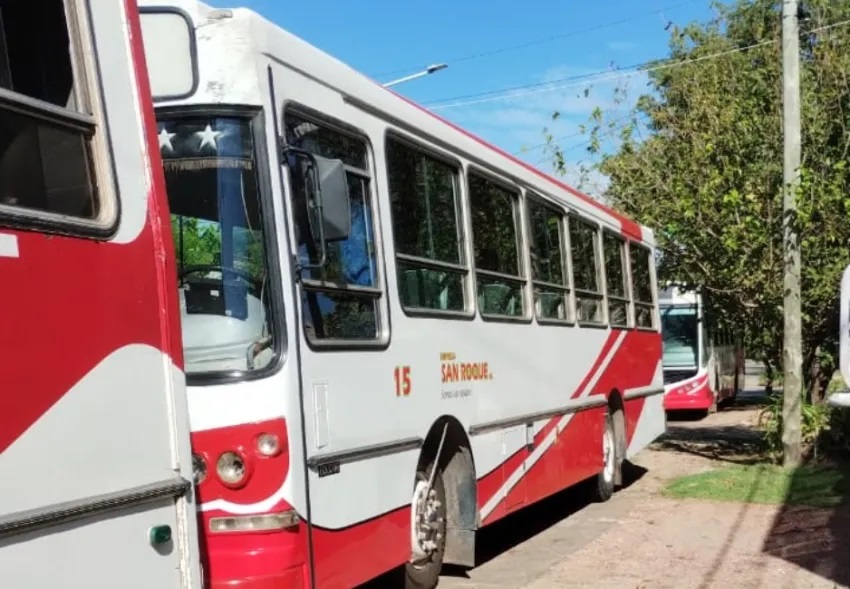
[428,70]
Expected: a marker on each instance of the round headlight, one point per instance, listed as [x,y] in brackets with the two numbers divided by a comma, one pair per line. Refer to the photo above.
[199,468]
[230,468]
[268,444]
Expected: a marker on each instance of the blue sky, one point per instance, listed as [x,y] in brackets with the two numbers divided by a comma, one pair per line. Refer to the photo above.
[387,40]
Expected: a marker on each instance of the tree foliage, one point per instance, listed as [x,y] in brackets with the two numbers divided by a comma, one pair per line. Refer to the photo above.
[195,245]
[699,160]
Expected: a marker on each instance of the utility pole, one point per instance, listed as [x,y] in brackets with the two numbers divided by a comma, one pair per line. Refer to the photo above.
[792,346]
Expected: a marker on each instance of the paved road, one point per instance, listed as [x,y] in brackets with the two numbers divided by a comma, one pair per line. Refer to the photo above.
[525,547]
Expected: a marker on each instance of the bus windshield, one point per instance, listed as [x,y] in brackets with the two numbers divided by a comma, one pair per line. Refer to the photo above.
[680,336]
[216,222]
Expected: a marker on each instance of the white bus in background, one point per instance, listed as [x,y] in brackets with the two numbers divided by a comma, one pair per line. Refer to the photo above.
[95,463]
[842,398]
[395,334]
[703,365]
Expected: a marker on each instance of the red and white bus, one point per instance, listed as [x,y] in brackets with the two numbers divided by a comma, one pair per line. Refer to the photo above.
[704,363]
[95,453]
[394,333]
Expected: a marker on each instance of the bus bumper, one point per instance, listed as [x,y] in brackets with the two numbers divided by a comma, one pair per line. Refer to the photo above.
[254,561]
[292,578]
[681,399]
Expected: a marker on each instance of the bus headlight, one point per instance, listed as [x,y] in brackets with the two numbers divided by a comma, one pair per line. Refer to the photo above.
[268,444]
[230,468]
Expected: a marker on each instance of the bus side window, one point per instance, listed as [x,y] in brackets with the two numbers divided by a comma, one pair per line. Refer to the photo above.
[427,229]
[341,298]
[548,267]
[47,161]
[615,276]
[495,236]
[642,286]
[584,249]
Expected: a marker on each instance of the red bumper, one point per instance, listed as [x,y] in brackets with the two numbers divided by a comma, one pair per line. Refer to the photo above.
[680,398]
[291,578]
[255,561]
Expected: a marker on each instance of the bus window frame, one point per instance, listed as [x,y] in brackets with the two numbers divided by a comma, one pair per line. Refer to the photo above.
[257,119]
[522,279]
[380,292]
[627,299]
[651,305]
[89,120]
[533,196]
[466,266]
[600,295]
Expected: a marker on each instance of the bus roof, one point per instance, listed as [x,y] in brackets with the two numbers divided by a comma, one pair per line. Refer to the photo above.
[231,75]
[673,295]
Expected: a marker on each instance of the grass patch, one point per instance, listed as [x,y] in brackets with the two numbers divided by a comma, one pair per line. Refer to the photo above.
[815,486]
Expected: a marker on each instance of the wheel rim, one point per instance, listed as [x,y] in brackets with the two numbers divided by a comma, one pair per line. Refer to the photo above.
[608,454]
[426,529]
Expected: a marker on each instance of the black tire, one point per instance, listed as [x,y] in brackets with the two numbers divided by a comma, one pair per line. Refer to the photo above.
[426,575]
[604,487]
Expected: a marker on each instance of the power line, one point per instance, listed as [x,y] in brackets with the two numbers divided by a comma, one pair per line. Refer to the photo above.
[587,141]
[543,87]
[528,86]
[524,45]
[529,89]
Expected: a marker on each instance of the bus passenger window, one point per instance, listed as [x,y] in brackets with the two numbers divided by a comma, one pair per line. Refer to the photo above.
[427,232]
[495,236]
[551,300]
[340,299]
[584,247]
[615,277]
[642,286]
[45,154]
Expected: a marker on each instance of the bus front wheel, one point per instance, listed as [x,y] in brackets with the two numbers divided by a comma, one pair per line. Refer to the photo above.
[606,479]
[427,531]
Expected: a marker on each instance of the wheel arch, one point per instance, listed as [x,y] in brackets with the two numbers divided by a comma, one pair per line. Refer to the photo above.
[459,479]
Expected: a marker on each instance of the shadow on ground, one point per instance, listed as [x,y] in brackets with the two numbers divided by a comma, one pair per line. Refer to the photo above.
[815,538]
[695,433]
[507,533]
[735,444]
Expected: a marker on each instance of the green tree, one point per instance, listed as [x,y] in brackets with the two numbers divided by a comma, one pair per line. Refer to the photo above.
[195,245]
[699,160]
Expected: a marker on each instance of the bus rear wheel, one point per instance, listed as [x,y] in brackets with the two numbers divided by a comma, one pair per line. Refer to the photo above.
[427,532]
[606,479]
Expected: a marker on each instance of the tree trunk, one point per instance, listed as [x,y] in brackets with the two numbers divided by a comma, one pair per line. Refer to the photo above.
[811,367]
[768,377]
[818,380]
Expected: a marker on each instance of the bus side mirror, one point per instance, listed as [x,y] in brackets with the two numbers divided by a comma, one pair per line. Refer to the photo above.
[331,201]
[843,399]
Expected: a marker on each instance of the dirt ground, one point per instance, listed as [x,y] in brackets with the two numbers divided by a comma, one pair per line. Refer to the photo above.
[666,543]
[642,540]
